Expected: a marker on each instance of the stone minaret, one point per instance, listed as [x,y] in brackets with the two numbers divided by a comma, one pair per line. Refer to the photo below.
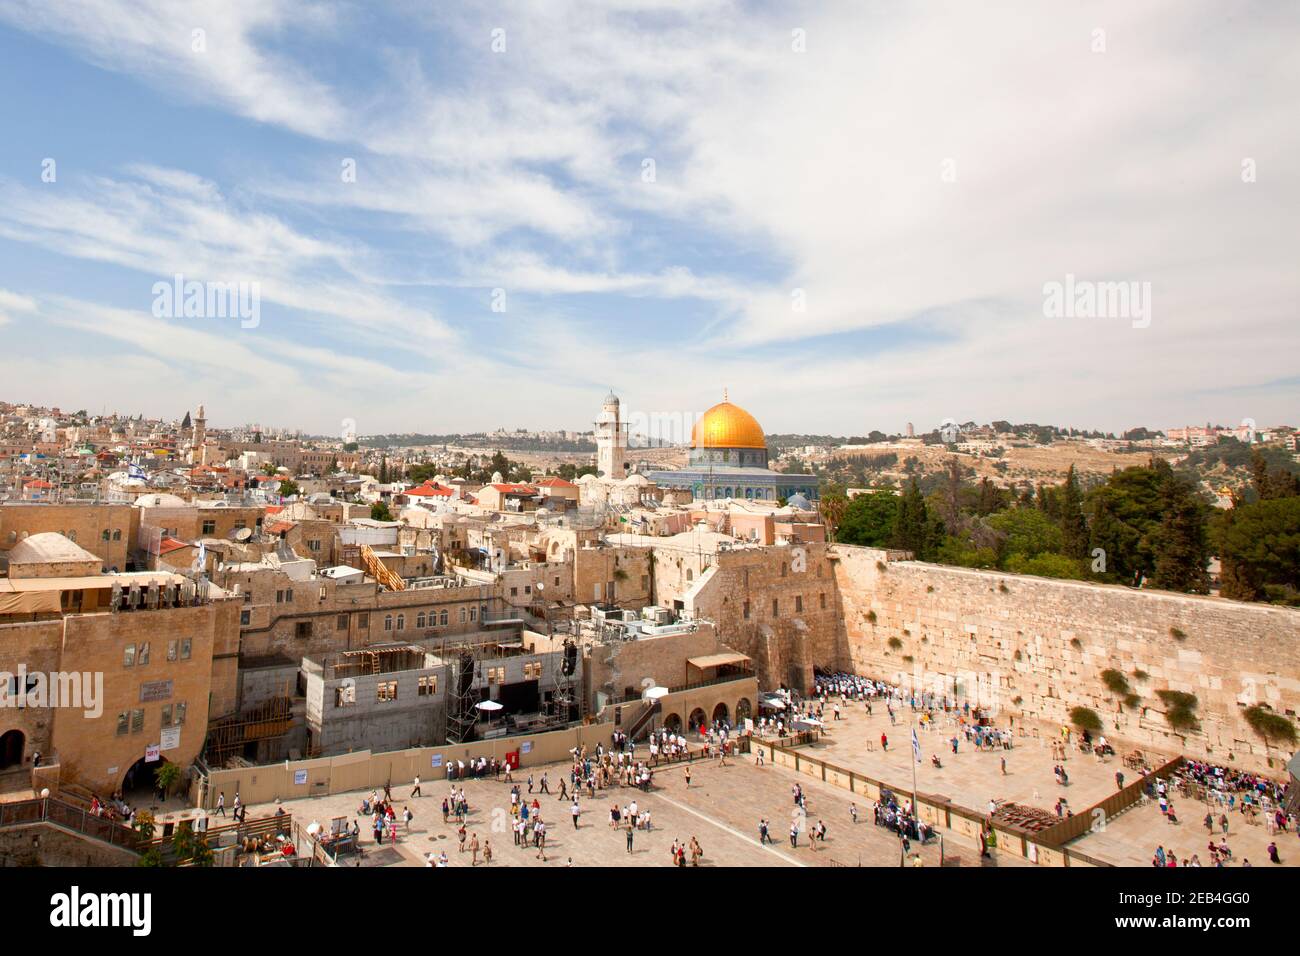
[200,433]
[611,440]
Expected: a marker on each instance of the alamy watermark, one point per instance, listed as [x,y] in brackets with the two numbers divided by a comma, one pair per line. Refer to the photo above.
[75,690]
[191,299]
[1085,299]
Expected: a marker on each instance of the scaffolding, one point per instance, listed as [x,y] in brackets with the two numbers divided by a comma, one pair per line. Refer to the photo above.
[229,737]
[462,699]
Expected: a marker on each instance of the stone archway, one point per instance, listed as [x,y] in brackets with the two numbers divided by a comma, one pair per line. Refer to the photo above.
[721,713]
[697,719]
[141,780]
[13,743]
[673,723]
[744,709]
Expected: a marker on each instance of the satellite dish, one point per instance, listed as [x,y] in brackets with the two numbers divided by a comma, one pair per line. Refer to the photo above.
[541,586]
[243,534]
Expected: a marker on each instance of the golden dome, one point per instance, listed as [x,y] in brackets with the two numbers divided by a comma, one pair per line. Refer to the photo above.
[727,426]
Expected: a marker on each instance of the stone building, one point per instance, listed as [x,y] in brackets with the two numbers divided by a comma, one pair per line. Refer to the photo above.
[161,647]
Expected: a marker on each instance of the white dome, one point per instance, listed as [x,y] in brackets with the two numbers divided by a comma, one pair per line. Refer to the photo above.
[162,500]
[496,478]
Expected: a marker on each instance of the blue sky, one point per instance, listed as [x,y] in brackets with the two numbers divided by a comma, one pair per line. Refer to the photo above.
[854,210]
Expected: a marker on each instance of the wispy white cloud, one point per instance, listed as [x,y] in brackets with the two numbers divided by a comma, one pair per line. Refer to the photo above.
[921,171]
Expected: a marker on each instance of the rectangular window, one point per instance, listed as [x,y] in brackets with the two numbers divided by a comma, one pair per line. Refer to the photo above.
[429,685]
[179,717]
[496,675]
[143,656]
[533,670]
[128,656]
[746,611]
[172,650]
[186,646]
[363,621]
[798,603]
[342,623]
[822,596]
[279,597]
[313,545]
[245,618]
[137,720]
[473,614]
[123,723]
[386,690]
[514,592]
[167,715]
[302,630]
[776,607]
[209,527]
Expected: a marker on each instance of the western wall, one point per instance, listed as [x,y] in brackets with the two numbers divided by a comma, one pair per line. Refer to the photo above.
[1033,648]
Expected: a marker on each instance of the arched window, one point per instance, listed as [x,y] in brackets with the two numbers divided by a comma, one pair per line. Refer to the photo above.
[401,622]
[419,621]
[442,619]
[105,535]
[388,622]
[690,575]
[117,535]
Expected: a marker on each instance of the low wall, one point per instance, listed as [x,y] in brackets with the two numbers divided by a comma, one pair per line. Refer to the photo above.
[295,779]
[936,811]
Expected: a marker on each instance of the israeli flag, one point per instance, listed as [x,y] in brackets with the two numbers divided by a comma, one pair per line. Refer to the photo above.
[916,746]
[134,471]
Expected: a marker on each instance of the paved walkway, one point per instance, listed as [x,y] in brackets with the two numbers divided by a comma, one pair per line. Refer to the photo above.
[721,809]
[969,778]
[1131,838]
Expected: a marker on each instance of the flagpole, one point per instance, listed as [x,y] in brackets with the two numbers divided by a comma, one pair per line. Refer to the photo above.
[916,803]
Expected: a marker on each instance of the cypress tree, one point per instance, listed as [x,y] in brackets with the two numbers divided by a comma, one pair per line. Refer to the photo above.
[1074,528]
[1183,547]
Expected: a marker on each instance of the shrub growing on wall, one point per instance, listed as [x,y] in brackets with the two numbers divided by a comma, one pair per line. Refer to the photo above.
[1085,718]
[1115,681]
[1180,709]
[1269,725]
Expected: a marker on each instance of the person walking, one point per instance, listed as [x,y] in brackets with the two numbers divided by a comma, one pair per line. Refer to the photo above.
[630,830]
[415,790]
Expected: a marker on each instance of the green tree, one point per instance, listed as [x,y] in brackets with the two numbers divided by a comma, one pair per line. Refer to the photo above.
[288,488]
[869,519]
[1183,544]
[1046,566]
[1026,532]
[1074,528]
[915,529]
[1259,547]
[379,511]
[832,502]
